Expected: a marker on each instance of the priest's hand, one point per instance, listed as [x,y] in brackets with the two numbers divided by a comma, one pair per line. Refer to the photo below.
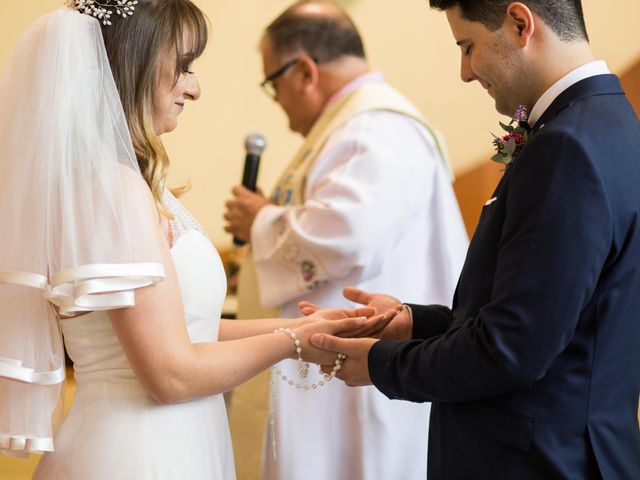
[242,211]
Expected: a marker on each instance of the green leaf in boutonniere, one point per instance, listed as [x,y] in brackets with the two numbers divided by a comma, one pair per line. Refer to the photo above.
[509,146]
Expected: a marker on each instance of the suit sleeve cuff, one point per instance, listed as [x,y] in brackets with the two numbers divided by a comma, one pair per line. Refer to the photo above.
[379,361]
[429,320]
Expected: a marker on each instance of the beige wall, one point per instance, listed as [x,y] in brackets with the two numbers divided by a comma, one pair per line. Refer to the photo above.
[410,43]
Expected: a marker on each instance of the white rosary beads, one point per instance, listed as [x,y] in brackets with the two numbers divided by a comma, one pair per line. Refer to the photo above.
[303,367]
[303,370]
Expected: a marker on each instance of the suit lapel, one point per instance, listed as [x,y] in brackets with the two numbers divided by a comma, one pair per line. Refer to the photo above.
[596,85]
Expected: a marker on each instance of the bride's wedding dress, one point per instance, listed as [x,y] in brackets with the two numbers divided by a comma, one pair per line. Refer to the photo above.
[114,429]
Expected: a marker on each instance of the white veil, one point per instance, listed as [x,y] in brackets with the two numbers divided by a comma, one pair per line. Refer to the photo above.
[77,223]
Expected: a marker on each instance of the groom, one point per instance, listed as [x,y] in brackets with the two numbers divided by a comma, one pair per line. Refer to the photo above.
[535,373]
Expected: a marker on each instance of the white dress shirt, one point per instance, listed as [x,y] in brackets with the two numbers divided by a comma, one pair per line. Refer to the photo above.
[591,69]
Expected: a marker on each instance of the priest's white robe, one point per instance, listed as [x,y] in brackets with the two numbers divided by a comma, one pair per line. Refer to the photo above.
[377,211]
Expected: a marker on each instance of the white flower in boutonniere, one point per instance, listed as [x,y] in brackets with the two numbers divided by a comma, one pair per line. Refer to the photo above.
[509,146]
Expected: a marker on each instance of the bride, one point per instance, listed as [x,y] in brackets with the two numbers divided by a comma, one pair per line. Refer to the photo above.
[96,248]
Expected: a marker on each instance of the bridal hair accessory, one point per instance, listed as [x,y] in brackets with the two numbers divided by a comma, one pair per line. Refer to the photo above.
[303,369]
[509,146]
[103,10]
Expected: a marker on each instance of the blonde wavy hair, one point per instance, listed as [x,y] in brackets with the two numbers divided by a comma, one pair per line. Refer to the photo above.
[133,45]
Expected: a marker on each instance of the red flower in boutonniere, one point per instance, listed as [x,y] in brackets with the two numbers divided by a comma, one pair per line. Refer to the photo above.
[511,144]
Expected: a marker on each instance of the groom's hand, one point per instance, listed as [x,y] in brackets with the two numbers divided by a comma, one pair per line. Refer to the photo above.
[393,322]
[373,327]
[399,323]
[378,301]
[335,321]
[355,369]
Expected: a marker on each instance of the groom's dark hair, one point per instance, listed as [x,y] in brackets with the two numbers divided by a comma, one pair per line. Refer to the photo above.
[564,17]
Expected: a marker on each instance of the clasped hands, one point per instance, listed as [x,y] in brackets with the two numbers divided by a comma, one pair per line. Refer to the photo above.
[384,318]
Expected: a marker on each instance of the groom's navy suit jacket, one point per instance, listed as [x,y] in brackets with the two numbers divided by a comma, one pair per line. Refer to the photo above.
[535,372]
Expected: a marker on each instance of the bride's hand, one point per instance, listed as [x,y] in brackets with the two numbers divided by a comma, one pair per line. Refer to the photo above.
[373,327]
[335,314]
[388,314]
[336,322]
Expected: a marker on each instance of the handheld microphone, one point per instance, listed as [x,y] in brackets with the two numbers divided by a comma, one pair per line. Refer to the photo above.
[254,144]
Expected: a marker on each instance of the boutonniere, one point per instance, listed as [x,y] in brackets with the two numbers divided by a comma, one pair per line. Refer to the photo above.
[509,146]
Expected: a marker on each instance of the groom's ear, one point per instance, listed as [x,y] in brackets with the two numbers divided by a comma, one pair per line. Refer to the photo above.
[519,23]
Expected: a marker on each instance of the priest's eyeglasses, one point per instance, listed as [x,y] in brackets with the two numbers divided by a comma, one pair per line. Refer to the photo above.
[267,84]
